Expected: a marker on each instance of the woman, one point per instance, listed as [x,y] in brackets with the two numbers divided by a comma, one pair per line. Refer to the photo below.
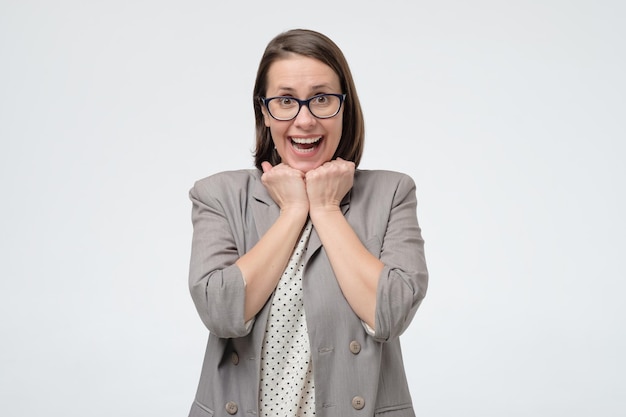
[305,270]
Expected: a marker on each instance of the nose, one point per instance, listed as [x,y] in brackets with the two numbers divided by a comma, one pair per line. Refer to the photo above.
[304,119]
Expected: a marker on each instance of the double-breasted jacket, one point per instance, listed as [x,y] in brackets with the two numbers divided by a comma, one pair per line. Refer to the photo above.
[356,372]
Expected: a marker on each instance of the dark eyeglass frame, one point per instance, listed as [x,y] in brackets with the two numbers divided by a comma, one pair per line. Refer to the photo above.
[265,101]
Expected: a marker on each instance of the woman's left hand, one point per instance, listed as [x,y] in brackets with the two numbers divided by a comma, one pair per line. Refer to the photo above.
[327,184]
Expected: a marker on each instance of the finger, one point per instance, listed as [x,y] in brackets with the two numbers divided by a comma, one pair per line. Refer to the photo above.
[266,166]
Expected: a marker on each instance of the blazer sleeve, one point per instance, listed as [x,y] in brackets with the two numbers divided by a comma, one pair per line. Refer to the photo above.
[404,279]
[216,284]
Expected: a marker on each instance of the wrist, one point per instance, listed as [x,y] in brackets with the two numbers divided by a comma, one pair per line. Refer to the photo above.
[318,212]
[297,211]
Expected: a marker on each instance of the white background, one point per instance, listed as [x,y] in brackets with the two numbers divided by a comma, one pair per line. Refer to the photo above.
[509,115]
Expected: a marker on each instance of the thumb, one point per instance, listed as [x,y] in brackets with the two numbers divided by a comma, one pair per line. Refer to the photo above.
[266,166]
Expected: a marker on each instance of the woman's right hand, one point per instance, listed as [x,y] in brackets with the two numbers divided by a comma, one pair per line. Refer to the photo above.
[286,185]
[263,265]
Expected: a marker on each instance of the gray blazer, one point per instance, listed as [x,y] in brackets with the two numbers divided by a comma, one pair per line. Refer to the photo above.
[356,373]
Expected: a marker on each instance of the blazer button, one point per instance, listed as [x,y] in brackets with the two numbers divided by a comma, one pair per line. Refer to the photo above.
[358,403]
[234,358]
[231,407]
[355,347]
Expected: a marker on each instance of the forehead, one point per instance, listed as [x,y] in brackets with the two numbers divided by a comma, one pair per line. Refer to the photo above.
[301,73]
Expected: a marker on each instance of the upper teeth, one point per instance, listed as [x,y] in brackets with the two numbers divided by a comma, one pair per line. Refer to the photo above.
[306,140]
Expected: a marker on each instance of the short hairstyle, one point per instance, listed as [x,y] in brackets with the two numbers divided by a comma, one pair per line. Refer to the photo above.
[318,46]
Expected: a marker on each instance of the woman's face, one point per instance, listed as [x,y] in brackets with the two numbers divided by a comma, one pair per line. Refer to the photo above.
[306,142]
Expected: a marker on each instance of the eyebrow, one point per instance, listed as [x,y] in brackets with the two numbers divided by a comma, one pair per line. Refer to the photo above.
[315,87]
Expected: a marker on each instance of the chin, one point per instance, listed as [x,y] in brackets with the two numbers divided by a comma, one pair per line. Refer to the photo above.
[306,166]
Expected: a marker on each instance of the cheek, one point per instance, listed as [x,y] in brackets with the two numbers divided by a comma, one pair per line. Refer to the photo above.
[278,134]
[275,130]
[339,127]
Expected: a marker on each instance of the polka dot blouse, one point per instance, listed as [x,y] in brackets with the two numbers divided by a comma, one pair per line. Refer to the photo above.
[286,386]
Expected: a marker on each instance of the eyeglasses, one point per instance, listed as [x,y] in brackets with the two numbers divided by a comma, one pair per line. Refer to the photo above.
[322,106]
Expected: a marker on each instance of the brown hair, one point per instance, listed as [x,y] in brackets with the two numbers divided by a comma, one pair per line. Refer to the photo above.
[318,46]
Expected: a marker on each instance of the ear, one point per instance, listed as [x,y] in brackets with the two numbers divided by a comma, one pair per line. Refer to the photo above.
[266,116]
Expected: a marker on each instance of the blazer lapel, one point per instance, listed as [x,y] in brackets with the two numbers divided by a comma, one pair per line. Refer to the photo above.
[264,209]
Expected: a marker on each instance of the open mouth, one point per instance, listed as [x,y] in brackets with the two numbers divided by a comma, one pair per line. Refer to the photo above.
[306,144]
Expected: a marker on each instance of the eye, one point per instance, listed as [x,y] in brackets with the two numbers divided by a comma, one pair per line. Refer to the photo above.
[321,99]
[285,101]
